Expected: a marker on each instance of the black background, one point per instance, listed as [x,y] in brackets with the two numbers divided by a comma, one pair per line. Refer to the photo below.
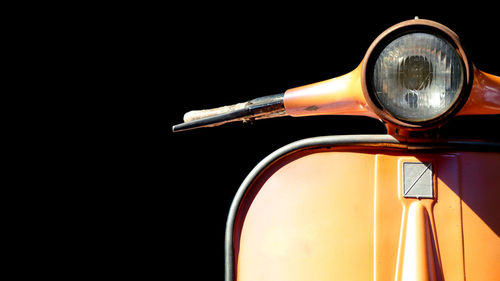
[219,55]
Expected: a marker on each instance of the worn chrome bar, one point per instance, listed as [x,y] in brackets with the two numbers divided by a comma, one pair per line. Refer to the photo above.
[259,108]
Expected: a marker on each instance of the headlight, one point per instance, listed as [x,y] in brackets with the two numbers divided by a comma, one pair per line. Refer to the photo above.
[416,73]
[417,77]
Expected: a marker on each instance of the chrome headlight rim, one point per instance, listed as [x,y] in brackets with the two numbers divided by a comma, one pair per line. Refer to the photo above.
[391,34]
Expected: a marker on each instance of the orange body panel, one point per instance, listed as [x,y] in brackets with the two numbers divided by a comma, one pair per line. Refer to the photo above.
[339,214]
[340,96]
[485,95]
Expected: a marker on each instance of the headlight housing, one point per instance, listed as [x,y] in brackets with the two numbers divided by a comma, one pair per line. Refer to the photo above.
[416,74]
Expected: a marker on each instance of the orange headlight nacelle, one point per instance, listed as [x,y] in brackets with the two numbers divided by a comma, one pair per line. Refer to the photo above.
[478,93]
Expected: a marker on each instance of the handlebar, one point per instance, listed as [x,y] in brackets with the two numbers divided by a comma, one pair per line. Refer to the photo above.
[259,108]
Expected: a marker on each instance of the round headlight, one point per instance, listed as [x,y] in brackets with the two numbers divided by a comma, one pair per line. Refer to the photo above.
[416,73]
[418,77]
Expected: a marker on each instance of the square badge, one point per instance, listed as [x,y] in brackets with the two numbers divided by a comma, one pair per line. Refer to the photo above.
[417,180]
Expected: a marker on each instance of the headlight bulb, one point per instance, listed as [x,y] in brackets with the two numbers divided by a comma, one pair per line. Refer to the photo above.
[415,72]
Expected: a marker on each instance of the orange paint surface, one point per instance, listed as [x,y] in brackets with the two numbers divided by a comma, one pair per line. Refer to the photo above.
[325,214]
[485,95]
[338,96]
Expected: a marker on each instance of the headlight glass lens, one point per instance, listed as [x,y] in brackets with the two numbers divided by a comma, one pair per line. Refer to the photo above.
[418,77]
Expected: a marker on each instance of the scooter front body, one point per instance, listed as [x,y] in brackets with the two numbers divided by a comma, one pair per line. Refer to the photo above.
[368,208]
[409,205]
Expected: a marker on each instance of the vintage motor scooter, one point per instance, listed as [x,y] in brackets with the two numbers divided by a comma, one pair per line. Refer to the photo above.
[409,205]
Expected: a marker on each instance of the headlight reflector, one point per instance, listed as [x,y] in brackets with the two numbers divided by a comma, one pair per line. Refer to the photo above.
[418,77]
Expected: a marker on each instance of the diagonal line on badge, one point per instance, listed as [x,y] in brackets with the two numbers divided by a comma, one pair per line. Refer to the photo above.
[421,174]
